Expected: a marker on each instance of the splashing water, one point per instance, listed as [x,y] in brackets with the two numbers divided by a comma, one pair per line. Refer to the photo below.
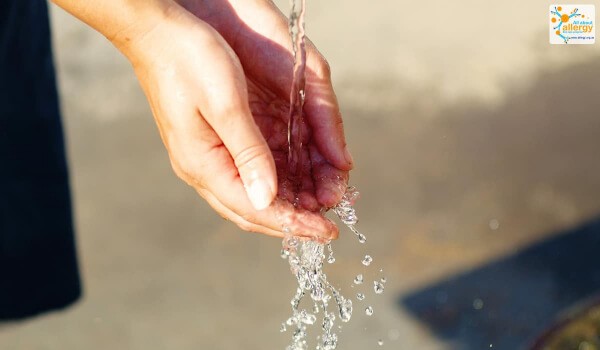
[306,257]
[378,287]
[358,279]
[306,263]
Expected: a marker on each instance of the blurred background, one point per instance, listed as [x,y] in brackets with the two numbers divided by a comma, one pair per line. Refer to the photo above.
[477,149]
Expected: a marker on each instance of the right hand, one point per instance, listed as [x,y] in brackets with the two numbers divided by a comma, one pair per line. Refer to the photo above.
[198,93]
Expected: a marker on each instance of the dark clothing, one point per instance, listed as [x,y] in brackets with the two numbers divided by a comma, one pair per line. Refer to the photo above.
[38,267]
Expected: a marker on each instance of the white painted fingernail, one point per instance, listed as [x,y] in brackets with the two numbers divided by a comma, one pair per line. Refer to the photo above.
[260,194]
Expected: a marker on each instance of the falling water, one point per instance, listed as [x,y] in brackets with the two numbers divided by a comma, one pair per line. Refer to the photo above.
[296,26]
[306,257]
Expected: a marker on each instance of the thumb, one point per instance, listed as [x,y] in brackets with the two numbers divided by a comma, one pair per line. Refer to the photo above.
[230,117]
[249,151]
[256,167]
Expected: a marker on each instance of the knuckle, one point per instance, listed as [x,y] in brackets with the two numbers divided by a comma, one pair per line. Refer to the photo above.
[225,112]
[245,226]
[339,121]
[323,69]
[188,172]
[250,154]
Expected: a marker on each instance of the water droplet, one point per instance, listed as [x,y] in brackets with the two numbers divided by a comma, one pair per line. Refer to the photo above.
[282,328]
[367,260]
[360,296]
[309,319]
[378,287]
[369,311]
[299,334]
[358,279]
[285,254]
[292,242]
[477,304]
[494,224]
[383,279]
[380,342]
[362,238]
[346,310]
[330,258]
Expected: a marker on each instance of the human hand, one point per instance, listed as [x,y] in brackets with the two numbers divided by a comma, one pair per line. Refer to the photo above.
[208,111]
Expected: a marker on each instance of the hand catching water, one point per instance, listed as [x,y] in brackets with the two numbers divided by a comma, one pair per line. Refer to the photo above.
[217,74]
[258,34]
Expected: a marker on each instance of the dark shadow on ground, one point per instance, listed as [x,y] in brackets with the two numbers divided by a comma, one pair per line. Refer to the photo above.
[509,301]
[539,156]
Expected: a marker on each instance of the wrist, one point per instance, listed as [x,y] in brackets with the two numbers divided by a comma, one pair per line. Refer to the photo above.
[123,22]
[132,37]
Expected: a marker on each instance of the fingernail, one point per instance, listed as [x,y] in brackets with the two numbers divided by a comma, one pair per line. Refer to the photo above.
[348,156]
[260,194]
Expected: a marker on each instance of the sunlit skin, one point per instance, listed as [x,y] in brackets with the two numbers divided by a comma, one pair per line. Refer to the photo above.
[217,75]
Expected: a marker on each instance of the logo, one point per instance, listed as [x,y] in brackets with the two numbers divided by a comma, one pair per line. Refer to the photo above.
[572,24]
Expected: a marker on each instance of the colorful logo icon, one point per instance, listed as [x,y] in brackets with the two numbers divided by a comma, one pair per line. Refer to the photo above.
[572,24]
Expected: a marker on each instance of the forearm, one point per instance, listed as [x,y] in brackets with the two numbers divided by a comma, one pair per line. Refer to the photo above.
[120,21]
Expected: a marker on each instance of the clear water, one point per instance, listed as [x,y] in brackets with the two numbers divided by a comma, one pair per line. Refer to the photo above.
[306,258]
[296,26]
[378,287]
[358,279]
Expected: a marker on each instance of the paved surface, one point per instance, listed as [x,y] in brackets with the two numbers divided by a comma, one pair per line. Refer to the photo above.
[476,146]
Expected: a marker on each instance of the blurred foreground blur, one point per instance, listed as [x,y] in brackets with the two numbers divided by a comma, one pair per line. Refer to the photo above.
[476,147]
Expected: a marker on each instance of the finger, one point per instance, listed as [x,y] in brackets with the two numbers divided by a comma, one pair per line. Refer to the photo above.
[330,182]
[226,185]
[225,107]
[279,215]
[228,214]
[267,56]
[323,112]
[306,195]
[204,163]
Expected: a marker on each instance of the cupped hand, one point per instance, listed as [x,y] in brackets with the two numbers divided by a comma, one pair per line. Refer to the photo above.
[218,90]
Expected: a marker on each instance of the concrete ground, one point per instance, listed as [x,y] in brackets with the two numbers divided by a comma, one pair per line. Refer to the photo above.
[477,155]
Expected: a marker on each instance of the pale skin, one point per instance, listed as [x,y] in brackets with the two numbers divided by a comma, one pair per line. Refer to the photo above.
[217,75]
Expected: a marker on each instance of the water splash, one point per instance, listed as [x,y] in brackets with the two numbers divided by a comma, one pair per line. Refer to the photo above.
[358,279]
[347,213]
[378,287]
[306,257]
[306,263]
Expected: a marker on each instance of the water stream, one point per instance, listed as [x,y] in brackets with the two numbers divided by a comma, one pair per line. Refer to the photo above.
[296,119]
[307,257]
